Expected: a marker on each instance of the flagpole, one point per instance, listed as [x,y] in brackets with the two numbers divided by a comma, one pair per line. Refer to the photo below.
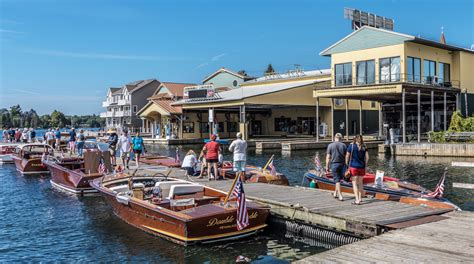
[237,176]
[268,162]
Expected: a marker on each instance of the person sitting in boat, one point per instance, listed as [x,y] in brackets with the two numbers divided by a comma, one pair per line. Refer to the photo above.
[189,163]
[335,158]
[357,159]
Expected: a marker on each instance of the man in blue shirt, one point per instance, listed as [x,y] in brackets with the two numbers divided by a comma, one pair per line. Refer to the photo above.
[57,137]
[72,141]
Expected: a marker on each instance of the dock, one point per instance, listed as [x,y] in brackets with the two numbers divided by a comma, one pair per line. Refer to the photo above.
[447,241]
[317,207]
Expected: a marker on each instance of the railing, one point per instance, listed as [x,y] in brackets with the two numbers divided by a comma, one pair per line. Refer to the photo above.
[435,81]
[123,102]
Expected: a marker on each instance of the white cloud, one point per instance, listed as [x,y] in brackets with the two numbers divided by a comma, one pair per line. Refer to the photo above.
[218,57]
[202,65]
[10,31]
[25,91]
[106,56]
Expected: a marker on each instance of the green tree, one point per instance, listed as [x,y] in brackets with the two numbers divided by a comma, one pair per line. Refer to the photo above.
[45,121]
[58,119]
[269,69]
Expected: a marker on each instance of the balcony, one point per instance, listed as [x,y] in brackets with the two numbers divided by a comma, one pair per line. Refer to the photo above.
[388,79]
[123,102]
[104,114]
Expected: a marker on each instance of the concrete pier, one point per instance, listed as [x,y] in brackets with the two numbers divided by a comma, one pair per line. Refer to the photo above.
[430,149]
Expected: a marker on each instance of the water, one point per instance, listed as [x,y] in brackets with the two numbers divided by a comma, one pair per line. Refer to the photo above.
[39,223]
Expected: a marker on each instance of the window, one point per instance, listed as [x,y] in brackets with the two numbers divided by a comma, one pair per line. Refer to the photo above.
[134,108]
[366,72]
[282,124]
[372,104]
[235,83]
[188,127]
[343,74]
[389,69]
[232,127]
[444,73]
[413,69]
[429,71]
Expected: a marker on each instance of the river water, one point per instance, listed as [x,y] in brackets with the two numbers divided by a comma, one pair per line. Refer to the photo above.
[39,223]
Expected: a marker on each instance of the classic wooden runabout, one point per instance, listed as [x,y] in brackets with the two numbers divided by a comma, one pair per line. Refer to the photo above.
[74,174]
[28,158]
[177,210]
[6,153]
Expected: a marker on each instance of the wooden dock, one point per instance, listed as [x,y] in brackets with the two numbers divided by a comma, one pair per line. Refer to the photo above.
[318,207]
[446,241]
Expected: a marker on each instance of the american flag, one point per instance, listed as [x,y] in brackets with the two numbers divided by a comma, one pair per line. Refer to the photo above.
[176,158]
[242,214]
[317,162]
[119,169]
[102,168]
[272,167]
[439,190]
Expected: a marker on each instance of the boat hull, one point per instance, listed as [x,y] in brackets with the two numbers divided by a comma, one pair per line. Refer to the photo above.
[6,158]
[73,181]
[30,166]
[184,228]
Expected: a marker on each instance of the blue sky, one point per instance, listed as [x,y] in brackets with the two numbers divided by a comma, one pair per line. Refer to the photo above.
[65,54]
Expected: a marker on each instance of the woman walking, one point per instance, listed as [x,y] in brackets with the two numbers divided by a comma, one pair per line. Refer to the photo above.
[138,147]
[357,158]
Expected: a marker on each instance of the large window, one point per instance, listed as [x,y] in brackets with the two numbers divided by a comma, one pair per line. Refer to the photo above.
[444,76]
[282,124]
[413,69]
[343,73]
[188,127]
[366,72]
[429,71]
[389,69]
[232,126]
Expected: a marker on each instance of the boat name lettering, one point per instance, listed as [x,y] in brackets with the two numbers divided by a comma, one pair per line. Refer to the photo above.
[216,221]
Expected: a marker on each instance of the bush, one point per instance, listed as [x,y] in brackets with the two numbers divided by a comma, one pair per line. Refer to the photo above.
[437,137]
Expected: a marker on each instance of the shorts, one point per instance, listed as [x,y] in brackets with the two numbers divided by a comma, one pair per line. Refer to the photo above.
[212,161]
[72,144]
[113,150]
[337,170]
[125,154]
[239,165]
[357,172]
[137,151]
[190,171]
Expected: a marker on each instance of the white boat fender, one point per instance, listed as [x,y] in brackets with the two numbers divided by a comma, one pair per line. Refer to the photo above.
[122,198]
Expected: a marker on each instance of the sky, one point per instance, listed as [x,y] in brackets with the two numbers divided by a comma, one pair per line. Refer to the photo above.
[65,54]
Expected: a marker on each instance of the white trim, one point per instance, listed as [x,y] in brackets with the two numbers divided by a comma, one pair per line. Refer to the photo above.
[365,27]
[33,172]
[75,191]
[222,70]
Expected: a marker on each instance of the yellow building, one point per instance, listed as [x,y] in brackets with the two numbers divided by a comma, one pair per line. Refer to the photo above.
[418,82]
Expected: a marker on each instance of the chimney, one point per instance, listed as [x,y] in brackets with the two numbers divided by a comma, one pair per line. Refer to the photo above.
[442,38]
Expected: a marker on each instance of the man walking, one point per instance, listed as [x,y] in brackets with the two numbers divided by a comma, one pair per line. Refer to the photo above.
[335,160]
[239,148]
[125,143]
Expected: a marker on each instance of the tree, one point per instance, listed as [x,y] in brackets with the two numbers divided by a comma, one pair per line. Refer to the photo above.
[45,121]
[58,119]
[269,69]
[243,73]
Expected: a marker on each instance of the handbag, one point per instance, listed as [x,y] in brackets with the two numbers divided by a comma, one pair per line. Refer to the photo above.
[347,174]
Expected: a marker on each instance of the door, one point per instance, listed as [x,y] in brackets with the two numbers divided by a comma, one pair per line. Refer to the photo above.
[256,127]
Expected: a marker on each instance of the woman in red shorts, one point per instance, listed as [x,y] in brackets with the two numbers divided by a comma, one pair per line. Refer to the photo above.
[357,158]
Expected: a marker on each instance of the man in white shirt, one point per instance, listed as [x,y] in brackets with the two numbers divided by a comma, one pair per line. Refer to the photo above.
[239,148]
[124,143]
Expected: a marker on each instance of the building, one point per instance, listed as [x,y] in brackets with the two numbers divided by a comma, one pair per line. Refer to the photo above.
[418,82]
[225,78]
[159,117]
[122,104]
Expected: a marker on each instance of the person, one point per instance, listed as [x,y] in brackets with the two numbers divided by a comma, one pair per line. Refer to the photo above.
[112,141]
[72,141]
[335,158]
[11,135]
[50,137]
[33,135]
[189,163]
[212,157]
[80,139]
[202,160]
[57,137]
[5,135]
[17,135]
[138,147]
[239,148]
[357,158]
[24,136]
[125,144]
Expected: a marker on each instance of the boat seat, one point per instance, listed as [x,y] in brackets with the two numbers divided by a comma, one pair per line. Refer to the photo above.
[120,188]
[185,189]
[165,186]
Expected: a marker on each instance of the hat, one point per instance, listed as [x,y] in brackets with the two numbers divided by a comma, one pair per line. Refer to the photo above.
[213,137]
[112,130]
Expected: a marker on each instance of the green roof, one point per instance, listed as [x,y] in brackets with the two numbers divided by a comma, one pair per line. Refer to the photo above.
[366,38]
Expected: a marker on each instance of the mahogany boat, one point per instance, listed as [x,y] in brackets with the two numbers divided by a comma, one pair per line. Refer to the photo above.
[180,211]
[161,161]
[28,158]
[74,174]
[6,153]
[390,189]
[254,174]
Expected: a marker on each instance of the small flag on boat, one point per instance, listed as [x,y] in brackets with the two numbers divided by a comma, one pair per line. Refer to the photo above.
[118,169]
[439,190]
[272,168]
[102,167]
[176,158]
[242,214]
[317,162]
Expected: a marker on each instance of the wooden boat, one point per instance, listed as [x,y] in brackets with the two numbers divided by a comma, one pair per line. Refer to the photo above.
[390,189]
[6,153]
[254,174]
[180,211]
[161,161]
[28,158]
[74,174]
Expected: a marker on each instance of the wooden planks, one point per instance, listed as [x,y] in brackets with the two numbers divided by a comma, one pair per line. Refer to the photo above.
[447,241]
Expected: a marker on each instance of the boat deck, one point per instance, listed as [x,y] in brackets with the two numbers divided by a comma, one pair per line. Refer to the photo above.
[318,207]
[447,241]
